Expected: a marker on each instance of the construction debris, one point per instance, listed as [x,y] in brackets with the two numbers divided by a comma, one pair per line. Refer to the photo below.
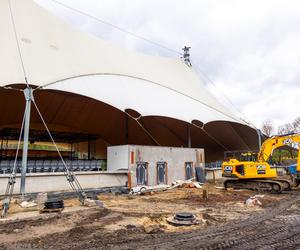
[148,189]
[52,210]
[153,189]
[41,198]
[53,205]
[197,185]
[188,183]
[253,200]
[27,204]
[93,203]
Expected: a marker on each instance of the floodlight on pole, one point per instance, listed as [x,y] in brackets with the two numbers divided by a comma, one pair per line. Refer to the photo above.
[186,55]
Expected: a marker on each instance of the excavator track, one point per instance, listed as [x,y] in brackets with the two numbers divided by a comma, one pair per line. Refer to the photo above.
[287,185]
[273,186]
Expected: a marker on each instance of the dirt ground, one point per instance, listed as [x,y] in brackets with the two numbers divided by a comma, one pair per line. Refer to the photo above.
[140,222]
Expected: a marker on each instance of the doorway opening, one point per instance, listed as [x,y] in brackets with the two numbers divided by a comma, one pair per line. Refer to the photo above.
[189,173]
[142,173]
[161,170]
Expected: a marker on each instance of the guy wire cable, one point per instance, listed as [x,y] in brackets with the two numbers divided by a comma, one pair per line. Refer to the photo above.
[117,27]
[17,41]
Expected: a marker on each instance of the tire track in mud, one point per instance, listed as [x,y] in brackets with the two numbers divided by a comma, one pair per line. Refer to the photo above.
[273,234]
[276,227]
[251,233]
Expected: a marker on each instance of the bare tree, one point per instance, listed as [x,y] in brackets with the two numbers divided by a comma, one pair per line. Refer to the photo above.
[267,127]
[286,129]
[296,124]
[289,127]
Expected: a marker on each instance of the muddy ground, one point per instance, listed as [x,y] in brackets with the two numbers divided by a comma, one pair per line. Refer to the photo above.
[139,222]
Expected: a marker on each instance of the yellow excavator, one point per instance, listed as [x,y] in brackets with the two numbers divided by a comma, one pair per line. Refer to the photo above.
[248,170]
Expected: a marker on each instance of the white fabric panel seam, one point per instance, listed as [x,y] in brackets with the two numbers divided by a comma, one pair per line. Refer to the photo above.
[161,85]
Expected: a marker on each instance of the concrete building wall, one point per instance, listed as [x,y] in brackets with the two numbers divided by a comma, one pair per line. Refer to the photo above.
[118,157]
[213,174]
[49,182]
[128,156]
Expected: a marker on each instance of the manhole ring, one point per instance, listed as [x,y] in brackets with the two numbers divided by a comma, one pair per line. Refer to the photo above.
[183,219]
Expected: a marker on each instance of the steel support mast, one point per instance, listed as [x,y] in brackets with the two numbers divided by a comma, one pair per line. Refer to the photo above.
[28,97]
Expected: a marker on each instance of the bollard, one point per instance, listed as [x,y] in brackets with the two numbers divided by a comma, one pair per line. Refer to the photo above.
[204,194]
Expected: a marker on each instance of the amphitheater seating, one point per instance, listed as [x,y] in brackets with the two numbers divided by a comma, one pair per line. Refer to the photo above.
[54,165]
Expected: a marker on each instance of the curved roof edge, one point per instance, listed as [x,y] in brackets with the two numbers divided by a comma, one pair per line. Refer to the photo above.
[53,50]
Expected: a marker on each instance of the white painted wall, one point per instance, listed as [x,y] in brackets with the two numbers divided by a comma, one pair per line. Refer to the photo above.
[117,157]
[49,182]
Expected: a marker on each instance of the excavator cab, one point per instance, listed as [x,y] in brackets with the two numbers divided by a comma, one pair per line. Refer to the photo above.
[247,170]
[240,155]
[244,165]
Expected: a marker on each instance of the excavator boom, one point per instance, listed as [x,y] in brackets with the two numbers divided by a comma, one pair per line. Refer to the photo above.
[274,142]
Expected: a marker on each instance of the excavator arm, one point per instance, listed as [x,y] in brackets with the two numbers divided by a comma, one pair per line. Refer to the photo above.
[298,162]
[274,142]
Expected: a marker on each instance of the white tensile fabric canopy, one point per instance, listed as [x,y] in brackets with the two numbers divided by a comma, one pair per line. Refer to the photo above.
[57,56]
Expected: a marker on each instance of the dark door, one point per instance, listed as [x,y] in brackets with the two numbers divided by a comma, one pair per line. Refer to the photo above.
[141,173]
[161,173]
[189,170]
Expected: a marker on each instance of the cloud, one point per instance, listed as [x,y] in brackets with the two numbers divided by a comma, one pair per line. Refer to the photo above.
[249,49]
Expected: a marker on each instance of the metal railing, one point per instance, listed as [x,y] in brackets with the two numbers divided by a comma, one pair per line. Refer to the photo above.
[214,165]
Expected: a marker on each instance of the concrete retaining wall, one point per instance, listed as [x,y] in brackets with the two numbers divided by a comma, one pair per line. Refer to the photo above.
[213,174]
[49,182]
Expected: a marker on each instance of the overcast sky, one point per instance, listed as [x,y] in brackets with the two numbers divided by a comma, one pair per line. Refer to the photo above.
[250,49]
